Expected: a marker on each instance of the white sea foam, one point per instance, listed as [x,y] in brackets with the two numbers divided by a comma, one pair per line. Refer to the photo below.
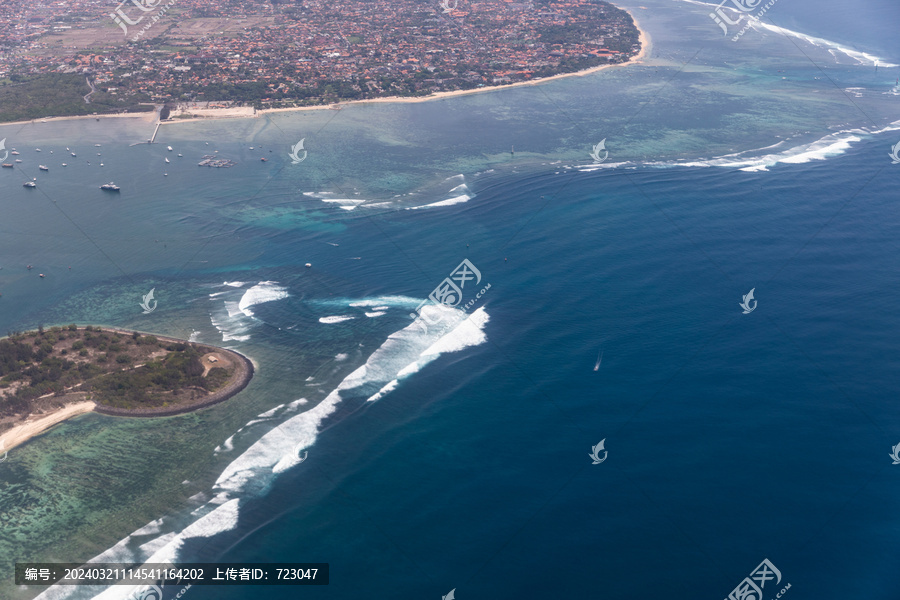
[150,528]
[458,195]
[226,446]
[271,412]
[404,352]
[376,313]
[335,319]
[231,314]
[381,302]
[828,146]
[447,202]
[340,357]
[388,387]
[264,291]
[345,203]
[863,58]
[833,47]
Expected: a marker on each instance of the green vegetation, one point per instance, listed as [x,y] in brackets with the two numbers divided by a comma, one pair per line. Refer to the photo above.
[112,368]
[26,97]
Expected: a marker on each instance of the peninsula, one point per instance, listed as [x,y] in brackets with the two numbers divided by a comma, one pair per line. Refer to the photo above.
[78,58]
[49,375]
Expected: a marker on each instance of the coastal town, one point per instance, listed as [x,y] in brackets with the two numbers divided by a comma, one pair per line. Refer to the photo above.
[98,57]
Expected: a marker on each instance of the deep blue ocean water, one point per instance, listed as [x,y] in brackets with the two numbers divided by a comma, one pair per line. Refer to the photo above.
[731,438]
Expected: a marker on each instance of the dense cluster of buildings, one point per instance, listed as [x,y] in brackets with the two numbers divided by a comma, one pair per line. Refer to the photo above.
[307,51]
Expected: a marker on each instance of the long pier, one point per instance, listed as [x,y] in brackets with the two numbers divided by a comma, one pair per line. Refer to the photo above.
[155,131]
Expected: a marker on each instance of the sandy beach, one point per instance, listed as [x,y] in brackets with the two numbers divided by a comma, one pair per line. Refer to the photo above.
[247,112]
[149,117]
[37,424]
[22,433]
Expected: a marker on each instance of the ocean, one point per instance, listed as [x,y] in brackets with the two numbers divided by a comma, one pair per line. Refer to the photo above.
[452,450]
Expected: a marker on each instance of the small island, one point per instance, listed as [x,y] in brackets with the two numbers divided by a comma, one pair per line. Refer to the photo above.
[49,375]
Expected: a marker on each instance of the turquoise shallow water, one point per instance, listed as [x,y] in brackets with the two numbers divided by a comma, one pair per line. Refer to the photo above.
[731,438]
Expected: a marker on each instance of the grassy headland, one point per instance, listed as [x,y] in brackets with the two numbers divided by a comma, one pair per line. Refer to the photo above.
[123,373]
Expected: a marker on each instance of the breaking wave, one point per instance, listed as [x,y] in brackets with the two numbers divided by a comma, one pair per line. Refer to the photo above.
[828,146]
[231,313]
[402,354]
[863,58]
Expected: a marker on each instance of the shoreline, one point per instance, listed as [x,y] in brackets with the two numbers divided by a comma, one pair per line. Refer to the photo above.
[643,38]
[25,431]
[19,434]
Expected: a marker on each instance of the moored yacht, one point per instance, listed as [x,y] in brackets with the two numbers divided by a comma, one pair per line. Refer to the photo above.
[109,187]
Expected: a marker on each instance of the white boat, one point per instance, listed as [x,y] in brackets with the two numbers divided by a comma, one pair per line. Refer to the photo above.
[73,154]
[65,165]
[14,152]
[96,145]
[180,155]
[109,187]
[37,149]
[18,160]
[29,184]
[169,148]
[43,167]
[167,160]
